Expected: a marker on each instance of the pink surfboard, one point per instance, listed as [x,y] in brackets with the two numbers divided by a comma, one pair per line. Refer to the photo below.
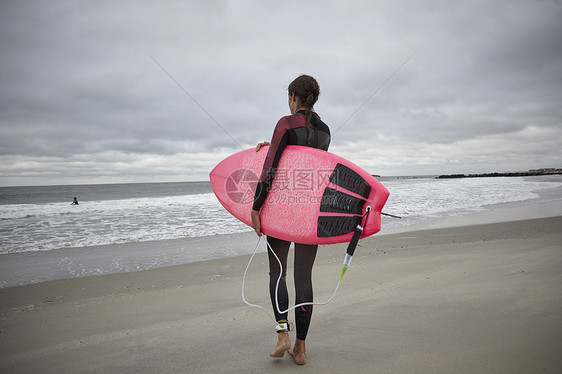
[316,196]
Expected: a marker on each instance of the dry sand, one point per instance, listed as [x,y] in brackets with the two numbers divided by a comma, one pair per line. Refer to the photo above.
[476,299]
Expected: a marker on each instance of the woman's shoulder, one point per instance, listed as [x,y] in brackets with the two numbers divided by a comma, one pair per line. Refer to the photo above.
[291,121]
[292,117]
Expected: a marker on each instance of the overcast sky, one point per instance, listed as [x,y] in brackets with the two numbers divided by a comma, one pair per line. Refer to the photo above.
[90,90]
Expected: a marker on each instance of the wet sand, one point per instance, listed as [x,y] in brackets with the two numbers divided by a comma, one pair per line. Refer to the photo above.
[474,299]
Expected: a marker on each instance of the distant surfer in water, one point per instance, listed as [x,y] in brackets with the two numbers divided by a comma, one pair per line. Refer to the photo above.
[303,127]
[75,201]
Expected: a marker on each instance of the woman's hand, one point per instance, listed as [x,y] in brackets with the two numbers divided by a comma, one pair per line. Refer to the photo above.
[256,224]
[264,143]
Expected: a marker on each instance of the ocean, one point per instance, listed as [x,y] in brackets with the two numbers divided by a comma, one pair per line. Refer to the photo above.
[42,219]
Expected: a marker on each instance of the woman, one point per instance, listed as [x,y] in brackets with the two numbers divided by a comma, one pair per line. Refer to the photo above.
[303,127]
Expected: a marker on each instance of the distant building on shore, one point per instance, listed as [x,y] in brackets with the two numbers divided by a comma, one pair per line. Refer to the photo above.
[545,170]
[530,173]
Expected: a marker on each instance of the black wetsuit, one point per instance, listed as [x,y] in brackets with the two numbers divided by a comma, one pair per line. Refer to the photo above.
[291,130]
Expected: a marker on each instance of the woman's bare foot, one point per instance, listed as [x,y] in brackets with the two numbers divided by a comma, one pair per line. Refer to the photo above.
[283,344]
[298,352]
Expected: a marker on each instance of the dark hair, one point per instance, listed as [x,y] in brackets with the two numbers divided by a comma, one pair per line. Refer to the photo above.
[307,90]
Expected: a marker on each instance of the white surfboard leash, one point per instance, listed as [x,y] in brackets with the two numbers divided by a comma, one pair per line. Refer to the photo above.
[277,287]
[244,282]
[349,255]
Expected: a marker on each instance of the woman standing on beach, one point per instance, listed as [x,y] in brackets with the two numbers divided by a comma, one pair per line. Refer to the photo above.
[303,127]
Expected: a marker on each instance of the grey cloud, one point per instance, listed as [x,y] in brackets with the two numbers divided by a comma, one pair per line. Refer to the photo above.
[77,80]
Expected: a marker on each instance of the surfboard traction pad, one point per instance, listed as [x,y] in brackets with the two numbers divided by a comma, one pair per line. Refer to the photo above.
[336,201]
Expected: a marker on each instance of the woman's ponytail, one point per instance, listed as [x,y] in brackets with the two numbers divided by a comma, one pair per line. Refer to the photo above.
[307,89]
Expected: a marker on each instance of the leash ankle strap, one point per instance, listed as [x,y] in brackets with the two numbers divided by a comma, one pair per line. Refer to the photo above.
[284,326]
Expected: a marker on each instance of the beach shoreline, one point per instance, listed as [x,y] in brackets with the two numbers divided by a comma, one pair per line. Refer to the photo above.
[25,268]
[472,299]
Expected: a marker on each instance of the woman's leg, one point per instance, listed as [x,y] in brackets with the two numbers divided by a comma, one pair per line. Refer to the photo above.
[281,249]
[304,260]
